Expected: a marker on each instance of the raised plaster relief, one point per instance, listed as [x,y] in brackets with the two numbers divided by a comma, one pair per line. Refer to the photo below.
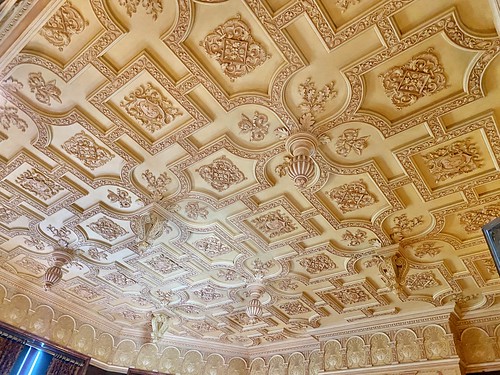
[317,263]
[163,264]
[165,297]
[427,249]
[87,150]
[407,347]
[403,226]
[421,76]
[131,315]
[44,91]
[147,105]
[274,338]
[12,84]
[153,7]
[212,247]
[120,279]
[9,116]
[333,356]
[349,141]
[352,196]
[435,343]
[380,350]
[32,265]
[314,100]
[234,48]
[148,228]
[157,185]
[221,174]
[422,280]
[38,244]
[96,254]
[85,292]
[38,184]
[473,220]
[121,196]
[207,294]
[286,285]
[294,308]
[356,356]
[345,4]
[189,309]
[354,239]
[257,127]
[453,160]
[228,275]
[203,327]
[107,229]
[351,295]
[490,267]
[8,215]
[274,224]
[194,210]
[61,27]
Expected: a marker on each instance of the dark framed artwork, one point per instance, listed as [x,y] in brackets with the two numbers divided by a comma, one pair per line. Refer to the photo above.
[491,232]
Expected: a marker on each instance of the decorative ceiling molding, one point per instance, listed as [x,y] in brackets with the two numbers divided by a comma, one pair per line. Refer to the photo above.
[153,157]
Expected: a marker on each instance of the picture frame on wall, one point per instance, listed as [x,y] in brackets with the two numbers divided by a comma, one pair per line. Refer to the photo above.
[491,233]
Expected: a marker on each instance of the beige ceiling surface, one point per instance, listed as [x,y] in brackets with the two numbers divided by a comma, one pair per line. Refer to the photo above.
[117,112]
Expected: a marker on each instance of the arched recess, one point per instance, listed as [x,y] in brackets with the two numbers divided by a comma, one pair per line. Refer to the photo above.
[296,364]
[41,320]
[315,362]
[477,346]
[125,354]
[104,347]
[170,361]
[193,363]
[258,367]
[214,365]
[237,366]
[83,339]
[147,359]
[16,311]
[277,366]
[333,355]
[380,350]
[407,347]
[355,352]
[62,330]
[436,344]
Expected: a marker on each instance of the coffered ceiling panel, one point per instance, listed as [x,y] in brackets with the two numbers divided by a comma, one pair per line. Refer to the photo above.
[336,158]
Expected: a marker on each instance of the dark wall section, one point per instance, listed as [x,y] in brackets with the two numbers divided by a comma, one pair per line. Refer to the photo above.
[92,370]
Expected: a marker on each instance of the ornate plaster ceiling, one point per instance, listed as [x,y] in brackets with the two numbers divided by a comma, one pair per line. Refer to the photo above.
[194,116]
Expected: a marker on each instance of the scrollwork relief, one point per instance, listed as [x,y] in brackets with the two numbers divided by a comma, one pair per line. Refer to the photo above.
[257,127]
[153,7]
[221,174]
[61,27]
[234,48]
[44,91]
[87,150]
[150,108]
[274,224]
[349,141]
[107,229]
[421,76]
[9,116]
[38,184]
[458,158]
[317,263]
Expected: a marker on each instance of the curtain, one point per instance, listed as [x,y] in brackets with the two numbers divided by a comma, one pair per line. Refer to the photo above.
[9,351]
[60,367]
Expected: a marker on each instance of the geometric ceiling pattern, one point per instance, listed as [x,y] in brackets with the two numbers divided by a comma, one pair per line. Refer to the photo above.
[344,152]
